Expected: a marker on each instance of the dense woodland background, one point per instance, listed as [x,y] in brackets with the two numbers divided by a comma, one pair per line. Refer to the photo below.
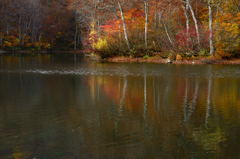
[39,25]
[123,27]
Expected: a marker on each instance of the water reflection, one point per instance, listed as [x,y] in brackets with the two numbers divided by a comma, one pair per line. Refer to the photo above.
[178,112]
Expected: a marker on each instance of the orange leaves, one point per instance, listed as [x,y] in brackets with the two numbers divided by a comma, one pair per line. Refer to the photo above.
[134,19]
[111,27]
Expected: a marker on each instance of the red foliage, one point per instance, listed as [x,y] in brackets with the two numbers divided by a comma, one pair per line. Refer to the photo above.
[89,40]
[187,41]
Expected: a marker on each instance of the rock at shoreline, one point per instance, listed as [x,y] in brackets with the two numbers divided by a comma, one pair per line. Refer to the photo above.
[168,61]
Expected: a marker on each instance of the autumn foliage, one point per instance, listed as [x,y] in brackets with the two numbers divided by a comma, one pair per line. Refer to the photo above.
[36,25]
[166,28]
[125,28]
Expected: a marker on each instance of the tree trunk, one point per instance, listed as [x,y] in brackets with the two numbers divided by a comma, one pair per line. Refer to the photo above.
[160,18]
[39,40]
[187,22]
[146,25]
[23,38]
[195,22]
[124,27]
[211,29]
[168,35]
[187,19]
[216,23]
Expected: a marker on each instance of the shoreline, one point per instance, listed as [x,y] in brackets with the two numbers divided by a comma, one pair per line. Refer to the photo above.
[199,61]
[155,59]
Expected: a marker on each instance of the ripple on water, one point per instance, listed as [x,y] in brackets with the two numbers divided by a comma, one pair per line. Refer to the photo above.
[196,71]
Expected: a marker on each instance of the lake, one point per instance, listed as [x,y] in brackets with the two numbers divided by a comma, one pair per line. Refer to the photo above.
[67,106]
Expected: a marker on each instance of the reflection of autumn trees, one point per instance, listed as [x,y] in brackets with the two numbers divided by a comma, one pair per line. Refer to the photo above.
[115,115]
[205,104]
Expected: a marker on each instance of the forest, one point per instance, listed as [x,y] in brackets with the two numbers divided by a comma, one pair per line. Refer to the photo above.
[134,28]
[39,25]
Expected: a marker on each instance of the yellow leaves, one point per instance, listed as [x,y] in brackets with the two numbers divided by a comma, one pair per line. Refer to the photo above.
[101,44]
[8,44]
[227,33]
[11,42]
[93,24]
[235,29]
[48,46]
[93,32]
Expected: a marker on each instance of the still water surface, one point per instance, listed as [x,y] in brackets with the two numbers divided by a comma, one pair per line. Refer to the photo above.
[67,106]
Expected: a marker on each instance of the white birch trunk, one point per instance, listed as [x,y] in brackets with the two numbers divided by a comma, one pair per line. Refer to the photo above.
[195,21]
[23,38]
[146,25]
[168,35]
[211,28]
[39,40]
[124,26]
[187,19]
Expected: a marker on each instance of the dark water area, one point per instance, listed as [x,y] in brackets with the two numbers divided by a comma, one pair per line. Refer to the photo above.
[67,106]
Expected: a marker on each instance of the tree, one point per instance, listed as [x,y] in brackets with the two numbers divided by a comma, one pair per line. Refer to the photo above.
[210,27]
